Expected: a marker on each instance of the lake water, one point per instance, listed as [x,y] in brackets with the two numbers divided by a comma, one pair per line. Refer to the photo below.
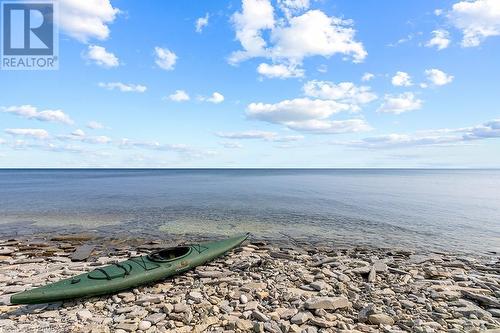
[434,209]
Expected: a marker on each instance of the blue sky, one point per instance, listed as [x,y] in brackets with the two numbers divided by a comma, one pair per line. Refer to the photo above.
[258,83]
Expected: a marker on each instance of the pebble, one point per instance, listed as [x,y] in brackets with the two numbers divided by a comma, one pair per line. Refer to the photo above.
[331,303]
[380,319]
[84,314]
[144,325]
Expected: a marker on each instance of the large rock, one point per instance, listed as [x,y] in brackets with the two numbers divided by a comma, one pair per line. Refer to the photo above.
[320,322]
[327,303]
[156,317]
[195,296]
[320,285]
[301,318]
[380,319]
[259,316]
[84,314]
[244,324]
[144,325]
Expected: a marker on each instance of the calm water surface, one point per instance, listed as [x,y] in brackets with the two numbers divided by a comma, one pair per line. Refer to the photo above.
[437,209]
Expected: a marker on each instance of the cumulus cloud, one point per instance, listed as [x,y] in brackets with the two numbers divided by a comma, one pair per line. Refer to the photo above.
[345,92]
[295,110]
[123,87]
[95,125]
[165,59]
[293,7]
[255,16]
[34,133]
[490,129]
[279,71]
[179,96]
[477,20]
[312,114]
[401,103]
[101,57]
[31,112]
[288,40]
[216,98]
[201,22]
[401,79]
[84,20]
[440,39]
[314,33]
[367,77]
[438,77]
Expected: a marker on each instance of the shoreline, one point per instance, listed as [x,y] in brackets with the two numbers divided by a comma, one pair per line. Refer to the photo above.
[265,285]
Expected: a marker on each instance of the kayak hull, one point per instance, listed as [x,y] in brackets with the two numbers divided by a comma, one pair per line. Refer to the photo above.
[127,274]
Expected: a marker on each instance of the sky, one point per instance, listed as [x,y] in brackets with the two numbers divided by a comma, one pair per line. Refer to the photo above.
[260,83]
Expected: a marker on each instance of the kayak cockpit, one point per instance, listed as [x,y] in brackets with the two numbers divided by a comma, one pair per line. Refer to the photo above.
[170,254]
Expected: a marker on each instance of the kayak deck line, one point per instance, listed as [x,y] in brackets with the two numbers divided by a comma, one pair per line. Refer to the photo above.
[130,273]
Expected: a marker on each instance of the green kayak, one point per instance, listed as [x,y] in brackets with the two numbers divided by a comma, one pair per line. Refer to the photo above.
[129,273]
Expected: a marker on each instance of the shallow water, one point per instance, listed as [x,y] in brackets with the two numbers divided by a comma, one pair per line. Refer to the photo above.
[437,209]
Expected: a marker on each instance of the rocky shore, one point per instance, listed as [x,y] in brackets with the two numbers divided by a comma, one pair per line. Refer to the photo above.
[259,287]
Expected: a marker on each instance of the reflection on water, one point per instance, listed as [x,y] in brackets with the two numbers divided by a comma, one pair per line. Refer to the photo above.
[441,209]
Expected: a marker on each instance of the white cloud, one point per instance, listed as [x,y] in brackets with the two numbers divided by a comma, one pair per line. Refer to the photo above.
[438,77]
[123,87]
[490,129]
[87,19]
[401,79]
[440,39]
[314,33]
[279,71]
[80,135]
[367,77]
[308,115]
[259,135]
[401,103]
[95,125]
[317,126]
[201,22]
[216,98]
[35,133]
[179,96]
[345,92]
[487,130]
[247,135]
[31,112]
[291,7]
[291,38]
[101,57]
[256,15]
[165,59]
[295,110]
[477,20]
